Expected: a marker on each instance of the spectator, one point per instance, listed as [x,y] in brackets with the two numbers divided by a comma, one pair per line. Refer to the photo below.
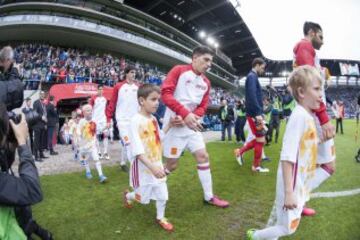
[226,115]
[53,119]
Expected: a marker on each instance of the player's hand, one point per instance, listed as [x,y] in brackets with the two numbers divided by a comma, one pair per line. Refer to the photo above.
[177,121]
[20,130]
[158,172]
[259,118]
[328,131]
[193,122]
[290,201]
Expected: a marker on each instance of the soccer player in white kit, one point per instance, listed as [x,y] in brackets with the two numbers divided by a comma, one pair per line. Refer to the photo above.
[298,156]
[185,92]
[99,102]
[125,105]
[147,175]
[86,130]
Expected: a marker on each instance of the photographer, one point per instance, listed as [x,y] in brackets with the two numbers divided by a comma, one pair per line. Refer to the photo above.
[16,191]
[17,194]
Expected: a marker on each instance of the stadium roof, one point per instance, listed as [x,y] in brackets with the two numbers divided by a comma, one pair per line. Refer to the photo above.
[277,30]
[217,19]
[228,23]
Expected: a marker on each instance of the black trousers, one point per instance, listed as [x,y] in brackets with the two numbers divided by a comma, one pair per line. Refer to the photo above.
[339,122]
[50,135]
[239,129]
[274,124]
[39,135]
[226,127]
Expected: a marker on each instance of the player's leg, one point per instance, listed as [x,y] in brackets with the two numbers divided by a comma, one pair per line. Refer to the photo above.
[84,161]
[173,146]
[106,144]
[197,147]
[125,141]
[287,223]
[95,157]
[160,195]
[258,131]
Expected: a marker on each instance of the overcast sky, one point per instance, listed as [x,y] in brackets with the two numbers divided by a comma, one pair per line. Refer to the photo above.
[277,26]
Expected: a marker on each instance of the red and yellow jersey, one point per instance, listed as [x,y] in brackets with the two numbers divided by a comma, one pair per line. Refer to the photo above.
[145,140]
[86,131]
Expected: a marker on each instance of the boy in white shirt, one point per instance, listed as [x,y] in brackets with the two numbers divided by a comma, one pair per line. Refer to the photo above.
[147,175]
[86,130]
[298,156]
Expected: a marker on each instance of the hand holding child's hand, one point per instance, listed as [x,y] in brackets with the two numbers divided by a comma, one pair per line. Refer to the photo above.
[290,201]
[158,172]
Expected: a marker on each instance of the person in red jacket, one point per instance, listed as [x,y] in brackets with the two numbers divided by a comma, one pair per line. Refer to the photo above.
[185,92]
[305,54]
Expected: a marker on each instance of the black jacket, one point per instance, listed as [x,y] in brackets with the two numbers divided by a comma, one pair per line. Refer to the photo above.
[52,115]
[229,116]
[40,109]
[24,190]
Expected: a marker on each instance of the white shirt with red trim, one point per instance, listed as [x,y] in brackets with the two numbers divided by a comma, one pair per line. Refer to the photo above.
[145,137]
[183,91]
[299,147]
[123,102]
[99,107]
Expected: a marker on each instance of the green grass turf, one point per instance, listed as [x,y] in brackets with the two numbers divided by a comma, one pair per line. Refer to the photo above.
[76,208]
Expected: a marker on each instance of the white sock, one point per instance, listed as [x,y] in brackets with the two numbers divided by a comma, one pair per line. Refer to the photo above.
[271,233]
[123,155]
[130,196]
[320,176]
[106,144]
[98,168]
[263,154]
[205,179]
[160,209]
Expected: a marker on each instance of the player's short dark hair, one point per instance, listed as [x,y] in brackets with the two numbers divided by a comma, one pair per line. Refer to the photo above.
[100,86]
[51,98]
[257,61]
[129,68]
[311,26]
[201,50]
[146,89]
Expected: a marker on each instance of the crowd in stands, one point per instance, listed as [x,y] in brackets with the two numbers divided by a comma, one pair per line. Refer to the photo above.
[217,93]
[348,95]
[43,62]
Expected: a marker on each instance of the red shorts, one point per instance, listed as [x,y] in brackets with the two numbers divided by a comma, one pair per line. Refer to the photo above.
[258,131]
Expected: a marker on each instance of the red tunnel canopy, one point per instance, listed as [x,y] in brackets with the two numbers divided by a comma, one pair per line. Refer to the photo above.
[77,90]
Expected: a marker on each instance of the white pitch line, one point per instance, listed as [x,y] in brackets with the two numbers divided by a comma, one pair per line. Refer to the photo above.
[272,217]
[335,194]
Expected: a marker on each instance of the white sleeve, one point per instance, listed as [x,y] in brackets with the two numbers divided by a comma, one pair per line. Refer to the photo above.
[136,146]
[293,133]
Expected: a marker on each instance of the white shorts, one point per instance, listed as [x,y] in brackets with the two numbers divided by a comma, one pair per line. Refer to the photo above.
[173,145]
[89,154]
[290,219]
[123,128]
[326,150]
[101,128]
[144,194]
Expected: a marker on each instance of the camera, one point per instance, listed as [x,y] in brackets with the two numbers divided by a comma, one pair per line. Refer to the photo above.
[31,117]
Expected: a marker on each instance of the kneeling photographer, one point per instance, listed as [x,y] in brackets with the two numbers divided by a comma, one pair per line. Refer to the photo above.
[17,194]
